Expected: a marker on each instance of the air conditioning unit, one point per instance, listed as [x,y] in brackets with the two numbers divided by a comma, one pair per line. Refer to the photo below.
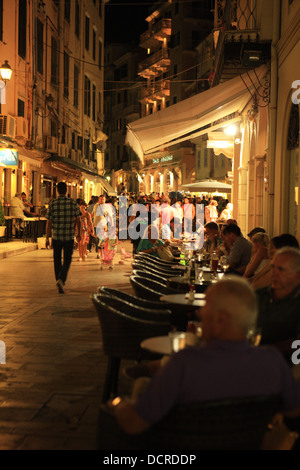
[51,144]
[22,127]
[7,125]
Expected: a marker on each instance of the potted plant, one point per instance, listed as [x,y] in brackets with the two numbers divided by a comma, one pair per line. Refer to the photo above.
[2,221]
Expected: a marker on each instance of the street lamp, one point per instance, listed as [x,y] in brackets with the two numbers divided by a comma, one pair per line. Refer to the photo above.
[5,72]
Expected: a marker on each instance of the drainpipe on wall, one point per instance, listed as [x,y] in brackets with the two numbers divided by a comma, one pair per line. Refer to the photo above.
[273,113]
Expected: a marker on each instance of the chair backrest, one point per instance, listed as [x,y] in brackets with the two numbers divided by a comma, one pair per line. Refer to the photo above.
[149,275]
[179,317]
[123,333]
[133,310]
[150,289]
[154,259]
[236,424]
[156,269]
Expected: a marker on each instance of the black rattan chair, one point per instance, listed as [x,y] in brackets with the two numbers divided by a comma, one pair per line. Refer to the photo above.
[149,289]
[179,317]
[154,259]
[236,424]
[156,269]
[122,334]
[150,275]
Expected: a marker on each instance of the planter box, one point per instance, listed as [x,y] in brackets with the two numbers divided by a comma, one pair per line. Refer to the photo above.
[42,243]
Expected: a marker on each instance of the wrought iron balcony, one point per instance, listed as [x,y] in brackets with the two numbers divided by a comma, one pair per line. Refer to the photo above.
[157,32]
[155,93]
[159,61]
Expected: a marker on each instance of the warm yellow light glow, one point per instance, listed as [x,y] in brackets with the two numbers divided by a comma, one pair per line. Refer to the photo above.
[219,144]
[5,71]
[230,130]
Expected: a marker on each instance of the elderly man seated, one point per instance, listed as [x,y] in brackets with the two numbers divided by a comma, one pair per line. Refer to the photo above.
[224,366]
[279,304]
[240,248]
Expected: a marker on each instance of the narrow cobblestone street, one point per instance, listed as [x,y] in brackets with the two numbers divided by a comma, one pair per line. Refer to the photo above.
[51,384]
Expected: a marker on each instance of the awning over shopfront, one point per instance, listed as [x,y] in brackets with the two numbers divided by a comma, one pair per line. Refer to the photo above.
[194,116]
[107,187]
[210,186]
[66,163]
[11,153]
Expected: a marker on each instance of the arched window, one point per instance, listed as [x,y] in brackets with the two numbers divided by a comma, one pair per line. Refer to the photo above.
[293,156]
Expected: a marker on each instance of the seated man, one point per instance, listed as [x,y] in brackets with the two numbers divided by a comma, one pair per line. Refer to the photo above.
[213,240]
[279,304]
[17,207]
[27,206]
[240,248]
[224,366]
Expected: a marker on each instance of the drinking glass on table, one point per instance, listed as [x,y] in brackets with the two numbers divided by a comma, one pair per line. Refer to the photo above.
[224,263]
[200,274]
[254,336]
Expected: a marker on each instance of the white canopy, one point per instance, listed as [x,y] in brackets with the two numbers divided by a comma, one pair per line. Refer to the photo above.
[182,120]
[207,186]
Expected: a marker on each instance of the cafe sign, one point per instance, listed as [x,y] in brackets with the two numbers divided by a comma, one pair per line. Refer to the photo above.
[8,157]
[167,158]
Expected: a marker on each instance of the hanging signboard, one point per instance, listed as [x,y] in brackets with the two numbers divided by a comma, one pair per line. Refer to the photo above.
[9,157]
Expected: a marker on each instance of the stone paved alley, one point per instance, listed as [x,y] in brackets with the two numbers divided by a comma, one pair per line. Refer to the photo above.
[51,383]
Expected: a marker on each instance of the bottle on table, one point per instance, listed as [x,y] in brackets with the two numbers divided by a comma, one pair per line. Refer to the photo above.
[214,261]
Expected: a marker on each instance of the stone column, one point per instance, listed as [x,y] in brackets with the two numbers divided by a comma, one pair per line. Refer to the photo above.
[7,184]
[1,183]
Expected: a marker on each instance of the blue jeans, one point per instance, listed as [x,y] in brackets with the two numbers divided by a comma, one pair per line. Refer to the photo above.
[59,247]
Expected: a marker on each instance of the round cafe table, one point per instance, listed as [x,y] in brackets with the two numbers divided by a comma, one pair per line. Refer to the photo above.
[183,299]
[162,344]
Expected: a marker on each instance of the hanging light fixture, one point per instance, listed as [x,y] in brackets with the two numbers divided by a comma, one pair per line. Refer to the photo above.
[5,72]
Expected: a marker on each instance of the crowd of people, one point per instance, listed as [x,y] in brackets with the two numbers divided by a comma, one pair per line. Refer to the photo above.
[261,287]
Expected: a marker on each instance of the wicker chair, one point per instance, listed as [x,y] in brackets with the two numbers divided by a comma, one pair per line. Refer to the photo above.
[150,275]
[137,311]
[149,266]
[154,259]
[236,424]
[122,334]
[179,317]
[149,289]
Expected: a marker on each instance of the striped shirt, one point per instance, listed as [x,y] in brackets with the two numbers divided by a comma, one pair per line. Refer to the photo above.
[62,212]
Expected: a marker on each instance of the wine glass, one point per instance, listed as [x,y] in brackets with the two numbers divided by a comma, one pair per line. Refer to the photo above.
[254,336]
[200,275]
[224,262]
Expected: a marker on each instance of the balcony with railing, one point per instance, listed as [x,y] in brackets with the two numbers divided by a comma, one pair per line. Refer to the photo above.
[237,38]
[155,93]
[157,32]
[157,62]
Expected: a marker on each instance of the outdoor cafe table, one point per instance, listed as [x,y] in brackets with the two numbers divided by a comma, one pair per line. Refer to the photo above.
[183,299]
[163,345]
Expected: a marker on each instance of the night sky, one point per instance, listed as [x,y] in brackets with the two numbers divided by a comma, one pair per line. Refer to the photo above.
[125,20]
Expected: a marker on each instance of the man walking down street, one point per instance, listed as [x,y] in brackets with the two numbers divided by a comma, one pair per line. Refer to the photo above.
[63,214]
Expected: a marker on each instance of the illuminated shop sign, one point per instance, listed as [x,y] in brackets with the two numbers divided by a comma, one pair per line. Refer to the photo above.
[9,157]
[167,158]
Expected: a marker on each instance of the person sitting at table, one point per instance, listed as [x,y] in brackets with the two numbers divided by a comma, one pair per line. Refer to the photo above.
[263,277]
[240,248]
[260,254]
[150,241]
[279,304]
[212,237]
[224,366]
[17,212]
[28,206]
